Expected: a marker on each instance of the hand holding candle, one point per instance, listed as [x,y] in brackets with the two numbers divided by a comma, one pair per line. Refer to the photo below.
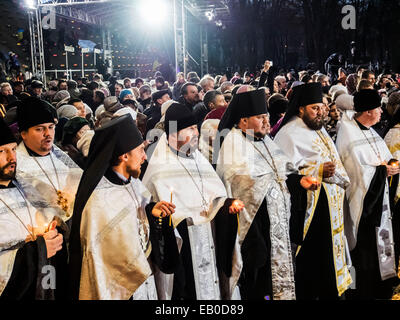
[51,226]
[393,168]
[163,209]
[236,207]
[309,183]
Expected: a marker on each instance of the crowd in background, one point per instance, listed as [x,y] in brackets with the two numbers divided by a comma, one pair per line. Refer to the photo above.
[82,105]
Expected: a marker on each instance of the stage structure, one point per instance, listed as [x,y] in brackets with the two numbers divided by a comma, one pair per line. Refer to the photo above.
[42,15]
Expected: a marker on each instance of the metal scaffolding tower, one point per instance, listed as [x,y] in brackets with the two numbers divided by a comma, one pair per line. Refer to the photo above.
[181,57]
[36,38]
[99,12]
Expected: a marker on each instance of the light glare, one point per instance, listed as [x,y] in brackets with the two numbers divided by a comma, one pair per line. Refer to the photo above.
[153,11]
[31,4]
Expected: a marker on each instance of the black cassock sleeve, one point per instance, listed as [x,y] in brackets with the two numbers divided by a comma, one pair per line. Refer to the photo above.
[225,236]
[164,253]
[298,196]
[372,208]
[26,277]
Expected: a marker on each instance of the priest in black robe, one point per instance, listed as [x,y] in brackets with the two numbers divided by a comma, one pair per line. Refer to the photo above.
[370,209]
[258,173]
[27,243]
[177,169]
[322,262]
[118,233]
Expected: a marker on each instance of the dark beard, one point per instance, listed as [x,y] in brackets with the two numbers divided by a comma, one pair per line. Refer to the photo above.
[313,124]
[259,135]
[9,176]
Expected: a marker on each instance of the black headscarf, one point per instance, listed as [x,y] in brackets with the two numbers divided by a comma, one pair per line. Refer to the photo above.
[303,95]
[242,105]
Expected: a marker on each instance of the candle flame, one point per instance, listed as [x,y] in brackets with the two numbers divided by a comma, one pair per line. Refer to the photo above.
[236,204]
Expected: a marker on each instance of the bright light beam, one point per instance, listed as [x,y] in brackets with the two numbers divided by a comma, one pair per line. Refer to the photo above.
[31,4]
[153,12]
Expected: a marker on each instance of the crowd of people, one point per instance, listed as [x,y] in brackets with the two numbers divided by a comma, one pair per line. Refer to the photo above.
[266,185]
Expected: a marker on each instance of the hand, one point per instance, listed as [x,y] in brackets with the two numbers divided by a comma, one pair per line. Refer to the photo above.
[329,169]
[309,183]
[392,170]
[40,231]
[53,242]
[163,209]
[236,207]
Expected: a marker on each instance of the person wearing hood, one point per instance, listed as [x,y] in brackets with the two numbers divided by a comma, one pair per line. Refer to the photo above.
[322,262]
[73,90]
[257,172]
[60,98]
[117,233]
[73,130]
[111,105]
[50,93]
[372,169]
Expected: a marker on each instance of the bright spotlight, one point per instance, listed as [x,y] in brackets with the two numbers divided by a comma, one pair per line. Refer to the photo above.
[209,15]
[31,4]
[218,23]
[153,12]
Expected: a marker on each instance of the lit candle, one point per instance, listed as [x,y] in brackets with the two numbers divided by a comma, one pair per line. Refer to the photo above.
[236,204]
[394,164]
[313,180]
[170,218]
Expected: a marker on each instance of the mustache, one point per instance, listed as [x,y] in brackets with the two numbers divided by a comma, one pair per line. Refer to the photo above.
[9,165]
[2,169]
